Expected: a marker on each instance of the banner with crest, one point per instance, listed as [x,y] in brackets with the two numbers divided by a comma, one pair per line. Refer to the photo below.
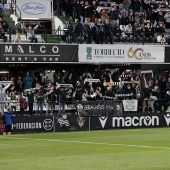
[99,108]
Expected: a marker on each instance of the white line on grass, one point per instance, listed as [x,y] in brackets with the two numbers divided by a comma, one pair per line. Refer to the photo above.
[93,143]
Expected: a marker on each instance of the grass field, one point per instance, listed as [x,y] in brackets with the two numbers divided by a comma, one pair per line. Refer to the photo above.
[136,149]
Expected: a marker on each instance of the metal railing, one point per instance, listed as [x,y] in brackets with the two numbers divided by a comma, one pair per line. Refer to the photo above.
[14,7]
[60,36]
[52,108]
[49,108]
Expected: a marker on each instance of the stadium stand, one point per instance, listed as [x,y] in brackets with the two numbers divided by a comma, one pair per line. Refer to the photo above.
[129,21]
[102,22]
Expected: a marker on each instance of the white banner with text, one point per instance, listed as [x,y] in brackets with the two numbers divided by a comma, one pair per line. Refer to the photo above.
[112,53]
[34,9]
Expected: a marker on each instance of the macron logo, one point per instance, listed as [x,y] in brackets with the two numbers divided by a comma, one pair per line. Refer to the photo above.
[103,121]
[167,118]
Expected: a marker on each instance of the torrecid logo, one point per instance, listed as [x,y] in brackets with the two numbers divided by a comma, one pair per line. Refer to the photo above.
[33,8]
[139,54]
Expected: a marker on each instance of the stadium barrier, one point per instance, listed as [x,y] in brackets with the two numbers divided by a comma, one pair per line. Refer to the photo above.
[58,35]
[74,120]
[73,123]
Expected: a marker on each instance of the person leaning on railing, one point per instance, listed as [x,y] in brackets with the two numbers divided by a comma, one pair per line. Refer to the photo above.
[30,95]
[68,28]
[62,99]
[40,98]
[146,96]
[13,102]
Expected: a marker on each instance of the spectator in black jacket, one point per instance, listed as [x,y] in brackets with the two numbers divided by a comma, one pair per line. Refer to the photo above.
[109,93]
[168,84]
[146,97]
[51,99]
[87,32]
[114,16]
[108,31]
[120,92]
[78,30]
[61,98]
[81,11]
[88,11]
[155,105]
[167,97]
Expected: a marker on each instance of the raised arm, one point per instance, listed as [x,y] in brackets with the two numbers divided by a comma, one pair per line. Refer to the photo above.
[7,86]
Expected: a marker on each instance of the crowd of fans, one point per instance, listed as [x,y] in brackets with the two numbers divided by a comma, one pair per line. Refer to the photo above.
[99,22]
[4,29]
[90,85]
[112,21]
[121,20]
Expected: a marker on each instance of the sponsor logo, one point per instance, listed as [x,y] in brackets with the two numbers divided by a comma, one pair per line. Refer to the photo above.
[167,118]
[135,121]
[103,121]
[89,51]
[48,124]
[27,126]
[79,109]
[9,49]
[81,121]
[31,53]
[139,54]
[73,128]
[109,52]
[63,121]
[104,53]
[33,8]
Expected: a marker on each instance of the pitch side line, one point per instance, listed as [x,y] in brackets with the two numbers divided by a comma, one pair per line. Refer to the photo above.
[93,143]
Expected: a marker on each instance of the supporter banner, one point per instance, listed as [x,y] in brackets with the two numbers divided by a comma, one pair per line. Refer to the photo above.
[44,53]
[71,123]
[34,9]
[130,105]
[167,52]
[135,120]
[95,53]
[99,108]
[25,124]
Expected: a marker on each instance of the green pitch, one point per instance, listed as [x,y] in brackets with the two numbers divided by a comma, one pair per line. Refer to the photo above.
[136,149]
